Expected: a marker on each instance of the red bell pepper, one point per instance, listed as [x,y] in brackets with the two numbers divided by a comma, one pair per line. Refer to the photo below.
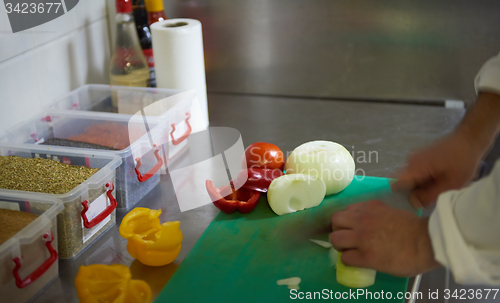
[258,179]
[229,200]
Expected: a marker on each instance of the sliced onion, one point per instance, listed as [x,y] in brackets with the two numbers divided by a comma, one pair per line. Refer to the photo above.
[292,283]
[327,160]
[354,277]
[291,193]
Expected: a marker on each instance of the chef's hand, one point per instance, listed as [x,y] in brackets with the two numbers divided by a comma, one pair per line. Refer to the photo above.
[374,235]
[452,162]
[446,165]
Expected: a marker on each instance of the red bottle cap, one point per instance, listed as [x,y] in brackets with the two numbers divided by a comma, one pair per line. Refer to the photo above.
[124,6]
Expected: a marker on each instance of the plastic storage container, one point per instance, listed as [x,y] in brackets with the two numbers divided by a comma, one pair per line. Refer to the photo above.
[89,208]
[171,107]
[139,171]
[30,258]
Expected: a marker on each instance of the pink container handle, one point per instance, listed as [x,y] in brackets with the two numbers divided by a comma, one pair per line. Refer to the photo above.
[104,214]
[153,169]
[186,134]
[37,273]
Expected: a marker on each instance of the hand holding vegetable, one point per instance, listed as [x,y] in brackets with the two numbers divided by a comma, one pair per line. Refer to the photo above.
[374,235]
[452,162]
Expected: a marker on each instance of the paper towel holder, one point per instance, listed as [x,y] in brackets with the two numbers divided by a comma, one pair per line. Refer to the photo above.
[176,24]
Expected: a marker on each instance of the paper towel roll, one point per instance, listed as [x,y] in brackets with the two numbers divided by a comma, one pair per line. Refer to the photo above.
[179,63]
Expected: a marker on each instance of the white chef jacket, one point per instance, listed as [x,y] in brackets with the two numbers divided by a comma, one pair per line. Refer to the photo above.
[465,226]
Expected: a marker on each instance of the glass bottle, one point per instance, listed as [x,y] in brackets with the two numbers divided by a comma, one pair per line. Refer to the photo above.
[144,33]
[128,65]
[155,11]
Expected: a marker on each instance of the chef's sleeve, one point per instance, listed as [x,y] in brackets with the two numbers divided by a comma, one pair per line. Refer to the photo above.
[465,231]
[488,78]
[465,226]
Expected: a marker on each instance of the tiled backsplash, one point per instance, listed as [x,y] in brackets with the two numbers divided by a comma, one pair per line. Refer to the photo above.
[42,63]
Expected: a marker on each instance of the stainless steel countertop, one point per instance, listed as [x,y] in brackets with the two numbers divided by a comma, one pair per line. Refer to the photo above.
[390,130]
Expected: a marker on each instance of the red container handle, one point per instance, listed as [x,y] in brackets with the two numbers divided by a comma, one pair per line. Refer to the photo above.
[20,283]
[186,134]
[104,214]
[153,169]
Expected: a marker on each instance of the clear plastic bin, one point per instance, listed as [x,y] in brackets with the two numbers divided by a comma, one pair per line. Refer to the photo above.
[89,208]
[139,171]
[29,259]
[172,107]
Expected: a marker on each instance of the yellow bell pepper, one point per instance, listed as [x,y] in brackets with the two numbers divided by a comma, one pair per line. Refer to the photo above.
[110,283]
[150,242]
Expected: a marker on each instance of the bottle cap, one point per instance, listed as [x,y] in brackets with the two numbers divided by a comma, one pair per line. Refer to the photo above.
[123,6]
[154,5]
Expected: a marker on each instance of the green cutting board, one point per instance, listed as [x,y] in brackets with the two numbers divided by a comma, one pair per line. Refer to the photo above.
[240,257]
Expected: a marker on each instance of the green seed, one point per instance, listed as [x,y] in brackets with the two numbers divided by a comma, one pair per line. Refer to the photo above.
[41,175]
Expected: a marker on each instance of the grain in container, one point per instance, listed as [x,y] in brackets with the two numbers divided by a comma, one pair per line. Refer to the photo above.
[89,208]
[139,143]
[171,107]
[29,258]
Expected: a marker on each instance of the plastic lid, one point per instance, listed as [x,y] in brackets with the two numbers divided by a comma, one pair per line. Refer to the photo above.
[124,6]
[154,5]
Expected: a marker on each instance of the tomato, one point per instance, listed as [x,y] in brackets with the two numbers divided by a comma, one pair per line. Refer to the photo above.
[263,155]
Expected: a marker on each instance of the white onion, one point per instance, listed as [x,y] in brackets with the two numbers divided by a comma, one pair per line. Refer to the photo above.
[289,281]
[354,277]
[290,193]
[292,283]
[329,161]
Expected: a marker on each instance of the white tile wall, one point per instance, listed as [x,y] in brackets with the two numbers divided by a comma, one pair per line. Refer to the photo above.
[91,10]
[11,44]
[82,57]
[45,62]
[19,94]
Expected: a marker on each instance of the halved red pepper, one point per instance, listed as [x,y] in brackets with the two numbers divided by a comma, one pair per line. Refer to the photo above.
[258,179]
[229,200]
